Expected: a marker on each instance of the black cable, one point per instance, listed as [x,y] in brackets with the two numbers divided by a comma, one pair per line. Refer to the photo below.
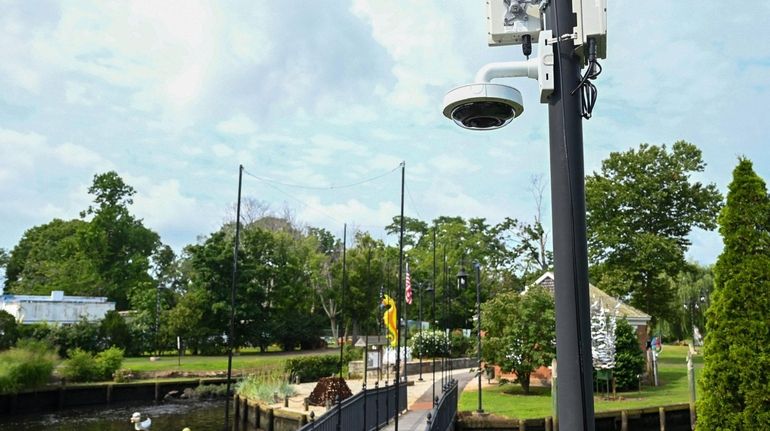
[588,91]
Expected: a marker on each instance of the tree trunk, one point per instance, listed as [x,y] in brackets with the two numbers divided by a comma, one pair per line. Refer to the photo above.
[334,327]
[524,381]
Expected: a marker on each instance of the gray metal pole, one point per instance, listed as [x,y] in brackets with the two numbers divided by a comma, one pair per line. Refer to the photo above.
[399,292]
[573,333]
[420,286]
[477,267]
[433,320]
[231,335]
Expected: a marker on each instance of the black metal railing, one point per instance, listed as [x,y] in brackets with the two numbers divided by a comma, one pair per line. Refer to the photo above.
[367,410]
[442,417]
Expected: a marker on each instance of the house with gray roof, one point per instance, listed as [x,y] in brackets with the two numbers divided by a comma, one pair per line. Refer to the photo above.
[639,320]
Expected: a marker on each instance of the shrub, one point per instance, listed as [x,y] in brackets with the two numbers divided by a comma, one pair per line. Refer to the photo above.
[352,353]
[80,367]
[629,357]
[265,387]
[85,367]
[123,375]
[27,365]
[109,361]
[429,344]
[312,368]
[460,345]
[8,330]
[210,391]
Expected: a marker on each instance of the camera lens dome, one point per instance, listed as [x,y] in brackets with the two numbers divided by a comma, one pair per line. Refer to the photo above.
[483,106]
[483,115]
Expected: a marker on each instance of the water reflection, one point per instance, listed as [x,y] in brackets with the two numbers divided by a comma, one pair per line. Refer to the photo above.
[198,415]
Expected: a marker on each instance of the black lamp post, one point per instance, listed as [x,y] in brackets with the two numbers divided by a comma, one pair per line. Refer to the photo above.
[419,287]
[462,277]
[477,267]
[432,292]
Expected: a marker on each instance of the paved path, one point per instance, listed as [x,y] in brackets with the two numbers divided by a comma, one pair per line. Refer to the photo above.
[416,417]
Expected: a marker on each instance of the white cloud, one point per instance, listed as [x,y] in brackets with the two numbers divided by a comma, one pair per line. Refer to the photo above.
[325,149]
[80,157]
[445,163]
[421,39]
[239,124]
[352,211]
[222,150]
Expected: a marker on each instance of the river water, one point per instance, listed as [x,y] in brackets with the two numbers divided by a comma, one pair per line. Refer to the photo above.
[197,415]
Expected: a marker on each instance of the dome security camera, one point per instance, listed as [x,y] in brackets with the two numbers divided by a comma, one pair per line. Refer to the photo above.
[483,105]
[487,106]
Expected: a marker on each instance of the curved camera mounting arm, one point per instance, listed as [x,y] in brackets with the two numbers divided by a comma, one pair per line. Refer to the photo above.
[508,69]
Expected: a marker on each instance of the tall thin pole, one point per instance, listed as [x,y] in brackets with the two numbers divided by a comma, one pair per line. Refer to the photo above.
[477,267]
[400,291]
[390,294]
[446,320]
[339,322]
[574,401]
[406,323]
[420,286]
[231,335]
[433,312]
[342,292]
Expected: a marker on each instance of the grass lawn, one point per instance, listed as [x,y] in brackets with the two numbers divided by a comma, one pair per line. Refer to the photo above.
[242,362]
[507,400]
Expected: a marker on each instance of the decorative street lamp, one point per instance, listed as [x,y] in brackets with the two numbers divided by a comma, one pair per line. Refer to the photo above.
[462,282]
[477,267]
[419,287]
[432,292]
[462,277]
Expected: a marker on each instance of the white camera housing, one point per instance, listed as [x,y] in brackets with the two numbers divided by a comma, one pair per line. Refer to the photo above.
[485,106]
[591,24]
[509,20]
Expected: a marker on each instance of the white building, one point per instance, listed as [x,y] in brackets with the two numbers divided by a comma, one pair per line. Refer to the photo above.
[56,309]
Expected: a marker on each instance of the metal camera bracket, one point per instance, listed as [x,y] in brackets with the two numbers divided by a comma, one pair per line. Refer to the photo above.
[484,105]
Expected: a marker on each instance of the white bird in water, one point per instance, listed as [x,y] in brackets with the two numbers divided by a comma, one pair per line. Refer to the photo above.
[140,425]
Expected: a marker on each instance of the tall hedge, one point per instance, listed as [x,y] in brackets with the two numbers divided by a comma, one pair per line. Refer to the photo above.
[312,368]
[735,382]
[629,357]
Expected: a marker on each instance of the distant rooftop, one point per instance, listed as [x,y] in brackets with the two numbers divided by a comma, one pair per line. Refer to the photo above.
[547,281]
[55,296]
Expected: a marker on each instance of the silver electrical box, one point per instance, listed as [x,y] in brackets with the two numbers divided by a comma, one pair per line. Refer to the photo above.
[591,23]
[509,20]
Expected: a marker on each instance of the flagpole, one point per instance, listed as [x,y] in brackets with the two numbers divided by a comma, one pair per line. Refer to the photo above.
[340,324]
[406,321]
[342,293]
[231,335]
[398,292]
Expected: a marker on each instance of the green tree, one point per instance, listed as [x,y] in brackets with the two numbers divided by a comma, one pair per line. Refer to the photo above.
[115,332]
[521,332]
[9,331]
[640,210]
[693,288]
[735,382]
[119,244]
[3,260]
[629,357]
[53,256]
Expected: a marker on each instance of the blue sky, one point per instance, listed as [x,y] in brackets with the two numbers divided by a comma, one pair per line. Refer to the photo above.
[174,95]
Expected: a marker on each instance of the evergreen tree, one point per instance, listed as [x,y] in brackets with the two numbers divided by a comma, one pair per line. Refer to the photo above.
[735,384]
[629,357]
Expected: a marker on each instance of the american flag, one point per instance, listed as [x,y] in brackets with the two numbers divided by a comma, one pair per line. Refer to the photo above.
[408,284]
